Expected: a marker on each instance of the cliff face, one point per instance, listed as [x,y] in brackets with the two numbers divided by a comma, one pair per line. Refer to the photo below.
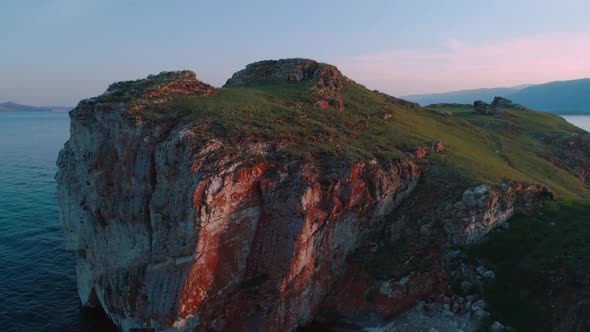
[174,229]
[482,209]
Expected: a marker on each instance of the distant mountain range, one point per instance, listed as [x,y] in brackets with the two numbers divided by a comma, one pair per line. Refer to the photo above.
[562,97]
[462,96]
[12,107]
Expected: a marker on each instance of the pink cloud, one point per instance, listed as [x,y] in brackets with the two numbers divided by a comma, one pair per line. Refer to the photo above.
[536,59]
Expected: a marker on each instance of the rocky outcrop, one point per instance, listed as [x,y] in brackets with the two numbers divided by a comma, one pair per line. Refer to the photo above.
[480,107]
[413,265]
[327,81]
[178,226]
[498,106]
[293,70]
[483,208]
[155,89]
[504,103]
[174,231]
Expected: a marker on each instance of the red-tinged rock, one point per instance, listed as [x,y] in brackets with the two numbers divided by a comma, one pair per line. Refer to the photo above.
[359,294]
[439,147]
[176,230]
[322,104]
[173,232]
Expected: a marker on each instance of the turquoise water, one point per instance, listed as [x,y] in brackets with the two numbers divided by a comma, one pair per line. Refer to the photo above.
[37,276]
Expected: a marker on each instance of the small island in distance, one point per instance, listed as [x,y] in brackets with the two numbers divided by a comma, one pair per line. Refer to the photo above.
[14,107]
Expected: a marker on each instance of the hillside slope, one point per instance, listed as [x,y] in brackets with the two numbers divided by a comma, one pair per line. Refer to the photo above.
[290,194]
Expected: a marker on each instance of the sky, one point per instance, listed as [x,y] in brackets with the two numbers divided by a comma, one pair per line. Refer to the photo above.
[56,52]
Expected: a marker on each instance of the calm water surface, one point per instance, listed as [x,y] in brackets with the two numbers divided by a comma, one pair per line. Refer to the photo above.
[582,121]
[37,275]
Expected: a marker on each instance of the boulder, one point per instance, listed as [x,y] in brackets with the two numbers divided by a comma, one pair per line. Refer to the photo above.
[483,208]
[504,103]
[480,107]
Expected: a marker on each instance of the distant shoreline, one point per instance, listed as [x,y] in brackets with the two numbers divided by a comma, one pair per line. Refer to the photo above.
[14,107]
[37,111]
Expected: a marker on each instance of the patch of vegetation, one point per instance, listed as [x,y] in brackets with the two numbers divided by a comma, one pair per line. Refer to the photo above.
[486,149]
[540,258]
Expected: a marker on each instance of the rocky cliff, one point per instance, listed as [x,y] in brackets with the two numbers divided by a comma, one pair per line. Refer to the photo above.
[482,209]
[187,218]
[326,80]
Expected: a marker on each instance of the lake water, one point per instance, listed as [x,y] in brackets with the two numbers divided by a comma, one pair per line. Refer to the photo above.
[582,121]
[37,274]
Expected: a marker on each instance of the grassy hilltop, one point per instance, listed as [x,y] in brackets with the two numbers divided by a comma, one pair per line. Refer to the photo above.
[483,148]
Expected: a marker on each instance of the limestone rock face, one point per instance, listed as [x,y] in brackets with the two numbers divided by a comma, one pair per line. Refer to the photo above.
[327,81]
[483,208]
[177,230]
[155,89]
[174,231]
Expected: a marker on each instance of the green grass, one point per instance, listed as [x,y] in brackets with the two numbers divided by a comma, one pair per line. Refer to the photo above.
[484,148]
[510,146]
[524,258]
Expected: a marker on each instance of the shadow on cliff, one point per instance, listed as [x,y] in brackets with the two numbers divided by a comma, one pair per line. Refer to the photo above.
[96,320]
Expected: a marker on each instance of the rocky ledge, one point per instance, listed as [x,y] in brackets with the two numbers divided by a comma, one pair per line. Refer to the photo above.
[327,81]
[174,230]
[498,106]
[483,208]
